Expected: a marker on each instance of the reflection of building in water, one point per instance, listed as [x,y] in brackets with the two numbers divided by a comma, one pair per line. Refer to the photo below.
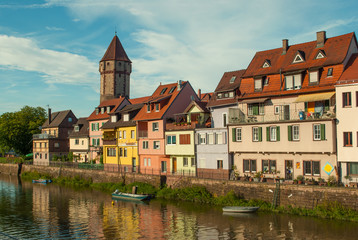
[123,218]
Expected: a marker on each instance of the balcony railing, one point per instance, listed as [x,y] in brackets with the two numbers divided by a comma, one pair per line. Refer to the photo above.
[109,141]
[292,116]
[142,133]
[43,136]
[183,126]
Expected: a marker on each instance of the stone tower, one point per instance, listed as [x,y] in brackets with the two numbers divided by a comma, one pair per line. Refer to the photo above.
[115,69]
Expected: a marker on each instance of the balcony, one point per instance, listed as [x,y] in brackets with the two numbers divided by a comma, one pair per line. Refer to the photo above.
[43,136]
[183,126]
[298,115]
[109,141]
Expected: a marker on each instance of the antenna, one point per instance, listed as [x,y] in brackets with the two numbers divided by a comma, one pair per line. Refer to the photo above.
[115,30]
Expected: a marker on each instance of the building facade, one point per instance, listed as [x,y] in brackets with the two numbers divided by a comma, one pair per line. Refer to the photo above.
[79,141]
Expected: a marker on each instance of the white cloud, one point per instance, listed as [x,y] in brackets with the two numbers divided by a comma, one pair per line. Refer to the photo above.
[54,66]
[54,28]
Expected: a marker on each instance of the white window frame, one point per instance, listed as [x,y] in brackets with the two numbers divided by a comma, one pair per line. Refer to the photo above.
[219,138]
[185,161]
[295,132]
[317,132]
[145,162]
[149,162]
[155,126]
[255,134]
[211,138]
[258,84]
[314,79]
[171,139]
[157,107]
[273,134]
[148,108]
[202,138]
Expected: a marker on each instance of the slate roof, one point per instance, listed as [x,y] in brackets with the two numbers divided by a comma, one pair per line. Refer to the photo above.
[112,102]
[56,119]
[167,97]
[84,128]
[335,49]
[115,51]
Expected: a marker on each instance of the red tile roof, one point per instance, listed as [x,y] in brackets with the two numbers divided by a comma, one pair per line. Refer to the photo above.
[350,74]
[335,49]
[205,97]
[115,51]
[112,102]
[139,100]
[166,97]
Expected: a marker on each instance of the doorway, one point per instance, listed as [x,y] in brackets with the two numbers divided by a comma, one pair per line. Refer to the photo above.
[134,165]
[288,169]
[174,165]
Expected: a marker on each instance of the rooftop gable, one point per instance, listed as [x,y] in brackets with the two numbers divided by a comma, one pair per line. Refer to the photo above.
[59,118]
[115,51]
[113,103]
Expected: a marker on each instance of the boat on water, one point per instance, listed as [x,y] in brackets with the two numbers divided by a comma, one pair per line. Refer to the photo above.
[129,196]
[41,181]
[238,209]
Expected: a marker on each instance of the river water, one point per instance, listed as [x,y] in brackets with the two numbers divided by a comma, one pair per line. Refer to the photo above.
[37,211]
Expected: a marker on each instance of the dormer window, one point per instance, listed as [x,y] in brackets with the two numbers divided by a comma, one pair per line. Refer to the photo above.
[320,55]
[293,82]
[102,110]
[231,94]
[97,111]
[266,64]
[163,91]
[258,84]
[114,118]
[126,117]
[232,80]
[108,109]
[313,77]
[148,108]
[220,95]
[157,107]
[265,80]
[299,58]
[330,72]
[77,128]
[172,89]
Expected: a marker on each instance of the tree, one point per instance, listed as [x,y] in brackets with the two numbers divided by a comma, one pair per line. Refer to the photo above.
[17,128]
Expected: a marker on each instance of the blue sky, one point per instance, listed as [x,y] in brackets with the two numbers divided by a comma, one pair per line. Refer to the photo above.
[50,49]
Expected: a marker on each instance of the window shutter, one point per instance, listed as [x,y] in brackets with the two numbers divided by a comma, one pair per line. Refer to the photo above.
[255,109]
[196,138]
[289,130]
[277,133]
[268,134]
[97,141]
[206,138]
[260,134]
[306,106]
[234,134]
[214,138]
[224,137]
[97,126]
[323,132]
[92,126]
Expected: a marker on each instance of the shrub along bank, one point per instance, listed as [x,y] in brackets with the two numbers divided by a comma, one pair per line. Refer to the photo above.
[201,195]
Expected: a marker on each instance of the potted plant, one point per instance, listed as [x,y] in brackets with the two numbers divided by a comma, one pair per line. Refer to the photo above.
[257,176]
[321,182]
[300,179]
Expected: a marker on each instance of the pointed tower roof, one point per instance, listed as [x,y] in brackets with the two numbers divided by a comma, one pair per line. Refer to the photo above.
[115,51]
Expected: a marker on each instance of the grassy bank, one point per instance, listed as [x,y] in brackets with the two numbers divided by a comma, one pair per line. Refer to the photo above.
[201,195]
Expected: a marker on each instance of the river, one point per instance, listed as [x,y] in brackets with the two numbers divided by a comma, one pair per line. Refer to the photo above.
[38,211]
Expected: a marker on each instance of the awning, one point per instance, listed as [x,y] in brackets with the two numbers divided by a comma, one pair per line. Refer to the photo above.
[314,97]
[256,100]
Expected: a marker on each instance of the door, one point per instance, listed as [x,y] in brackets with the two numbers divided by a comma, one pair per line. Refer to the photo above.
[134,165]
[174,165]
[288,169]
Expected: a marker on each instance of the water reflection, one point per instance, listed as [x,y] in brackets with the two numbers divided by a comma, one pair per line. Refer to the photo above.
[37,211]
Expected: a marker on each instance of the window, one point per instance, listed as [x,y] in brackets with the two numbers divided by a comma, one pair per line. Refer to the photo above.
[352,168]
[184,139]
[347,99]
[164,166]
[145,162]
[69,119]
[155,126]
[45,155]
[219,138]
[77,128]
[172,89]
[256,109]
[40,145]
[121,152]
[132,134]
[298,59]
[293,82]
[111,152]
[265,80]
[224,119]
[202,138]
[266,64]
[145,144]
[97,111]
[185,162]
[77,141]
[220,164]
[102,110]
[232,80]
[311,168]
[156,145]
[210,138]
[83,142]
[258,84]
[273,134]
[193,162]
[277,110]
[56,145]
[148,108]
[269,166]
[40,155]
[124,134]
[163,91]
[126,117]
[293,133]
[171,139]
[149,162]
[231,94]
[319,132]
[220,95]
[257,134]
[319,55]
[124,152]
[347,139]
[237,136]
[157,107]
[249,165]
[313,78]
[356,98]
[330,72]
[120,134]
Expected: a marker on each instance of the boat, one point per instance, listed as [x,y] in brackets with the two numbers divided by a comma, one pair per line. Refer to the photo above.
[129,196]
[41,181]
[237,209]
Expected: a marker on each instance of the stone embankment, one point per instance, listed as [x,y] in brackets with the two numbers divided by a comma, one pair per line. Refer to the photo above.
[294,195]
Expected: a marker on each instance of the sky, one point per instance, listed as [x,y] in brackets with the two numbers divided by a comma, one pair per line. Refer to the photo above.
[50,49]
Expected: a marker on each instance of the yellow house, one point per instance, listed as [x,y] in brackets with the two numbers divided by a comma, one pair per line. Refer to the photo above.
[120,147]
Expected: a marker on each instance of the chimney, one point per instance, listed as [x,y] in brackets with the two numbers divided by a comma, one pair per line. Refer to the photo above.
[179,85]
[199,93]
[284,46]
[321,38]
[49,115]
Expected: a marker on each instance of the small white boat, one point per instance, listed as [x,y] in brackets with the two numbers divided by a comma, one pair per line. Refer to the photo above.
[237,209]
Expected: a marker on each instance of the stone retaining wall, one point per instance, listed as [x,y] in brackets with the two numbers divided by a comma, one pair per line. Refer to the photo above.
[295,195]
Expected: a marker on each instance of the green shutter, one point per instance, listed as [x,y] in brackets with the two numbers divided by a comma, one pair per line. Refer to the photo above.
[255,109]
[268,134]
[260,134]
[97,127]
[92,126]
[323,132]
[234,134]
[289,130]
[306,106]
[277,133]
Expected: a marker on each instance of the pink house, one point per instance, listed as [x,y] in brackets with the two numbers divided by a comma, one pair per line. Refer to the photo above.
[160,108]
